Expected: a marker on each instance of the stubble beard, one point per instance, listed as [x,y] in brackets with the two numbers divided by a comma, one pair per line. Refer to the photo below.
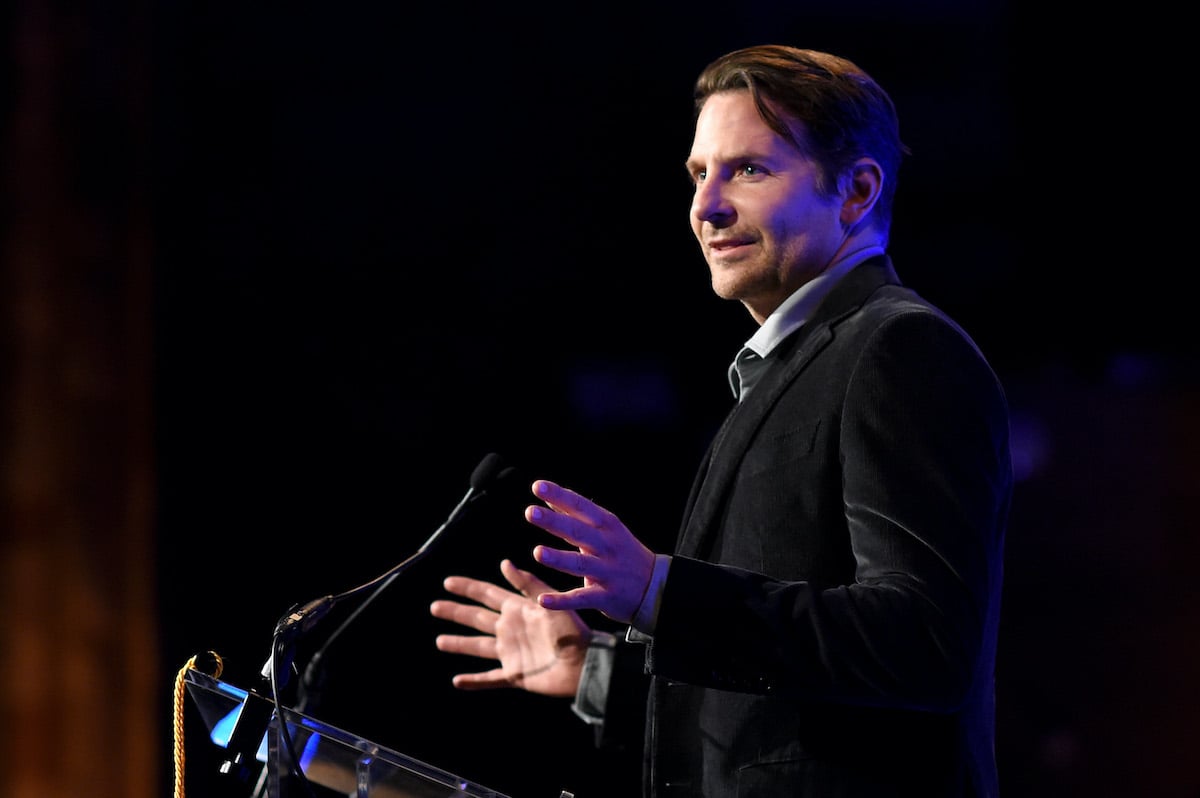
[740,281]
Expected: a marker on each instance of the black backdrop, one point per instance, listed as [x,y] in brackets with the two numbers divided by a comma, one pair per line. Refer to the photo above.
[391,241]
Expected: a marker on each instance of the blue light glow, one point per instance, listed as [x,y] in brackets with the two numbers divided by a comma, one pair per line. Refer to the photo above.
[222,730]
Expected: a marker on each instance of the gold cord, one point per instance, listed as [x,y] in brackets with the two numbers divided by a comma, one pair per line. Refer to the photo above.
[180,687]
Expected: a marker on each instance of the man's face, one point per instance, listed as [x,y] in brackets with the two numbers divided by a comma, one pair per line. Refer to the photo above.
[764,229]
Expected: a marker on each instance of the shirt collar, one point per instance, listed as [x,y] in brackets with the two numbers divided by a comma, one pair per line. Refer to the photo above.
[797,308]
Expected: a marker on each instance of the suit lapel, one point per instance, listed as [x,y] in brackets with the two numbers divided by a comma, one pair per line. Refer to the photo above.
[715,478]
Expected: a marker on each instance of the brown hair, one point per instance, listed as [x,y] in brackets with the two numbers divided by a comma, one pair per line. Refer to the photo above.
[843,113]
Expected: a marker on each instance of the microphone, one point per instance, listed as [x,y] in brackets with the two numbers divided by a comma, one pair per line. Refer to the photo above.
[299,620]
[491,469]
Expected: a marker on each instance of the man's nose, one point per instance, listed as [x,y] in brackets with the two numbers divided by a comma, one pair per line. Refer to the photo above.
[711,204]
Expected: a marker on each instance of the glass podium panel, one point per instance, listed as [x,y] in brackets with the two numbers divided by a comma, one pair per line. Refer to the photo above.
[244,723]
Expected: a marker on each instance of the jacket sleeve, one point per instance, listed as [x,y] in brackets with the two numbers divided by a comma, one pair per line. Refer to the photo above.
[612,692]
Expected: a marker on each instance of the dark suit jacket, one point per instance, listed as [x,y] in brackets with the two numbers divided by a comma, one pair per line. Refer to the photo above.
[828,627]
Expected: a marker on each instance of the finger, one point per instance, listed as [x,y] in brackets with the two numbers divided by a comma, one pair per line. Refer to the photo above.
[589,597]
[485,593]
[524,581]
[575,563]
[564,500]
[570,530]
[485,680]
[468,645]
[575,505]
[478,618]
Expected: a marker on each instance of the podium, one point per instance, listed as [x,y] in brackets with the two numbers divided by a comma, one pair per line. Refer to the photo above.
[246,725]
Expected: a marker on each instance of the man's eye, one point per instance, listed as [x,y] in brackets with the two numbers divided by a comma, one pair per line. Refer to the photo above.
[750,170]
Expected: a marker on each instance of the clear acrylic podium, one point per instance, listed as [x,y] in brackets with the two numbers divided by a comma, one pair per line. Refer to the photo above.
[246,725]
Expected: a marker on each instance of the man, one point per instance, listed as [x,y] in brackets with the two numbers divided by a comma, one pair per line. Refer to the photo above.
[826,625]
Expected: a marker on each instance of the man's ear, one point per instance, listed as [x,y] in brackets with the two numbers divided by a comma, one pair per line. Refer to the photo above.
[862,191]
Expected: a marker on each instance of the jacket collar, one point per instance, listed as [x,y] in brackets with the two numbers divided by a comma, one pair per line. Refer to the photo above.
[725,453]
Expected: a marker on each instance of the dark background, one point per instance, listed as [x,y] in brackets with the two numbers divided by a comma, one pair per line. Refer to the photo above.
[390,241]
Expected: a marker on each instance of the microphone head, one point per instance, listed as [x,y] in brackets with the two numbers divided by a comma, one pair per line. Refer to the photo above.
[487,471]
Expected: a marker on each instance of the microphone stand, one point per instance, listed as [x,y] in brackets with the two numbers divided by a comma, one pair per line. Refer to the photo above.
[300,620]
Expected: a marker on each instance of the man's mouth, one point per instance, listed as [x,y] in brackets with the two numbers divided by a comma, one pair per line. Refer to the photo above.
[723,247]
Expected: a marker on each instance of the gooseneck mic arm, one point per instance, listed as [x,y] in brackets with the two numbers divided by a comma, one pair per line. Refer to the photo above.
[301,619]
[489,471]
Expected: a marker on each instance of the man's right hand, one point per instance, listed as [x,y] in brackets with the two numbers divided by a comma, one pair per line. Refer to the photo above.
[539,650]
